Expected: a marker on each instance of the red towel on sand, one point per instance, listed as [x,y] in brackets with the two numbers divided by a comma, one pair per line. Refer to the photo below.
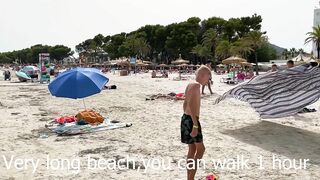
[65,119]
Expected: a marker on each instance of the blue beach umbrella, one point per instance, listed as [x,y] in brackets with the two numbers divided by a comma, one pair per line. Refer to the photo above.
[78,83]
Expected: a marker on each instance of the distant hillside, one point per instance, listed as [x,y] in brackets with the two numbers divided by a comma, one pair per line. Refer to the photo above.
[278,49]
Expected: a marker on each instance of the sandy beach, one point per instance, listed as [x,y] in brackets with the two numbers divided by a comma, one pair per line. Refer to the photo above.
[231,129]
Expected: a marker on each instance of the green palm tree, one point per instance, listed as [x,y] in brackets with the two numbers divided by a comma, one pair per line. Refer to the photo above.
[293,52]
[256,39]
[210,39]
[201,51]
[314,37]
[142,47]
[301,51]
[241,48]
[285,54]
[137,46]
[224,49]
[197,51]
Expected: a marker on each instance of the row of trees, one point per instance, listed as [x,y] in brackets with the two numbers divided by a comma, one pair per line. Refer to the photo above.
[211,39]
[198,41]
[314,36]
[291,53]
[31,55]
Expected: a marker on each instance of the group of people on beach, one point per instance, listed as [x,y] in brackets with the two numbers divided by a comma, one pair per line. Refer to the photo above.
[274,67]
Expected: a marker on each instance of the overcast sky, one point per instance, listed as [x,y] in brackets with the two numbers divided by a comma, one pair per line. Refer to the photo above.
[24,23]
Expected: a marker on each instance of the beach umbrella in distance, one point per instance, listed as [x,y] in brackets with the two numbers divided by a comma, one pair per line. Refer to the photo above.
[141,64]
[78,83]
[180,61]
[162,66]
[123,63]
[147,62]
[183,65]
[233,60]
[246,64]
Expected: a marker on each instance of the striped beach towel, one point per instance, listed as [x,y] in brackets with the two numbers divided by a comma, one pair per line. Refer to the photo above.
[281,93]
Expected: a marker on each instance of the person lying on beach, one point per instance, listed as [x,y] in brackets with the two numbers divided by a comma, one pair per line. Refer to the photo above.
[170,96]
[191,133]
[110,87]
[163,75]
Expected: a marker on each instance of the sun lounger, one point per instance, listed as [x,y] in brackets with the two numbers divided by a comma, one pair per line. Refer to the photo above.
[230,79]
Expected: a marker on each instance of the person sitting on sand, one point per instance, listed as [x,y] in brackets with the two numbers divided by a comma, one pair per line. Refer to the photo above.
[191,133]
[7,75]
[153,74]
[165,74]
[250,74]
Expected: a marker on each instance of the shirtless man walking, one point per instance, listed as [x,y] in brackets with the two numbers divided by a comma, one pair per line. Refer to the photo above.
[190,126]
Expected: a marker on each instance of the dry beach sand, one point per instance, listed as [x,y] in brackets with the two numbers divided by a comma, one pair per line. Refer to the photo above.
[230,129]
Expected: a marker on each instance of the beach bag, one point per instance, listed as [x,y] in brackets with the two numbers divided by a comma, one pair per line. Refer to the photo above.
[90,116]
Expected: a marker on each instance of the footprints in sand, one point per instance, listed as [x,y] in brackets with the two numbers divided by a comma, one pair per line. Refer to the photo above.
[45,119]
[15,113]
[100,150]
[19,96]
[43,113]
[35,134]
[120,108]
[26,136]
[35,102]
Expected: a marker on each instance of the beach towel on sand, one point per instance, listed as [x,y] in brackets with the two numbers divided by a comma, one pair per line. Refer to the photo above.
[73,128]
[281,93]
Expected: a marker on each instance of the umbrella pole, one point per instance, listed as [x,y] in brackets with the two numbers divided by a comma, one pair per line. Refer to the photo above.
[85,108]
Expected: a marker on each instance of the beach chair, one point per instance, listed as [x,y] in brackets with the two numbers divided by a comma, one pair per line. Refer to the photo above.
[230,79]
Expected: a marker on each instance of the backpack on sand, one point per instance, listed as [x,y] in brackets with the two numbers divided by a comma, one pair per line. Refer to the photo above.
[90,116]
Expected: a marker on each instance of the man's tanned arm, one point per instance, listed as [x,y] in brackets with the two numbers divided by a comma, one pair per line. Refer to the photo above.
[194,102]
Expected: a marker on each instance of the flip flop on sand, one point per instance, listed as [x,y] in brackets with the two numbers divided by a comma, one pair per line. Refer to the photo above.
[211,176]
